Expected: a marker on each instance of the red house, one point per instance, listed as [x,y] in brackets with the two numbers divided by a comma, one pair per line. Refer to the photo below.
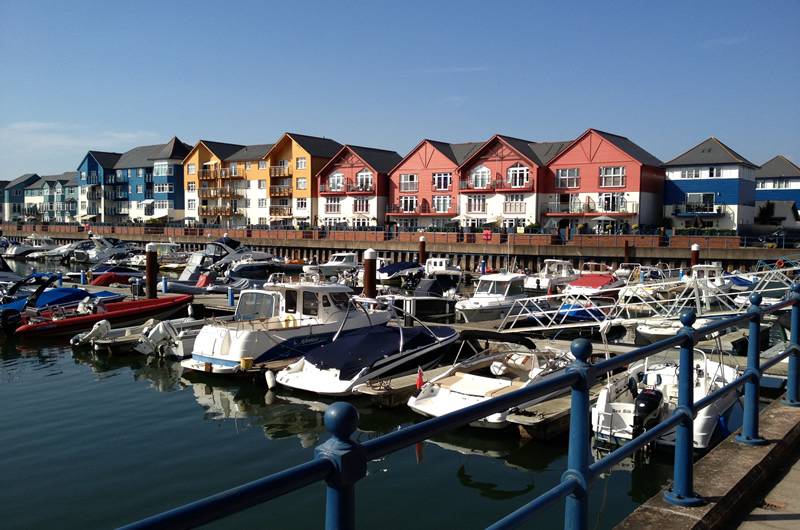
[354,186]
[423,187]
[499,181]
[601,177]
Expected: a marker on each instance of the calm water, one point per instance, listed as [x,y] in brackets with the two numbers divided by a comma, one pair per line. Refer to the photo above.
[95,442]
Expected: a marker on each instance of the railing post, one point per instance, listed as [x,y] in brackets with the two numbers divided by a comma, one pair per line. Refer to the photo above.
[792,378]
[350,466]
[749,434]
[576,510]
[682,492]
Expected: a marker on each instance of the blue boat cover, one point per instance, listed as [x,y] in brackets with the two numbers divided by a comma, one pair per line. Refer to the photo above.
[394,268]
[362,348]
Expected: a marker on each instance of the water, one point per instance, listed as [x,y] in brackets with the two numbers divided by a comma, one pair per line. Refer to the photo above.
[94,442]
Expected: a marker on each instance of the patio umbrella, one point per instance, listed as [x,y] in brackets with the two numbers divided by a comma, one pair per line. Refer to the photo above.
[460,218]
[603,218]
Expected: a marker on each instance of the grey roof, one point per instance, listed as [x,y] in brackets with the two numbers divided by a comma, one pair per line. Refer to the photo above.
[67,178]
[173,150]
[524,147]
[779,166]
[457,153]
[710,152]
[250,152]
[381,160]
[317,146]
[21,179]
[3,184]
[105,158]
[547,151]
[222,150]
[631,148]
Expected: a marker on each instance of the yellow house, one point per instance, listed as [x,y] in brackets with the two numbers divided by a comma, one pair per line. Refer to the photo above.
[227,183]
[293,162]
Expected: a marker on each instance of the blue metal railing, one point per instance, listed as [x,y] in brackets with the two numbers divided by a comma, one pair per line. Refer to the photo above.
[342,462]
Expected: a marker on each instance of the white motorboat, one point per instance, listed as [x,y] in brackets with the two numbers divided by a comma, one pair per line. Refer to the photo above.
[102,249]
[628,406]
[388,273]
[165,253]
[338,262]
[365,356]
[710,279]
[280,321]
[606,285]
[32,243]
[443,271]
[225,250]
[594,267]
[651,330]
[554,273]
[504,368]
[493,297]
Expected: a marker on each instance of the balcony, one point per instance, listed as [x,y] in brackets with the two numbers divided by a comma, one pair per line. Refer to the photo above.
[513,207]
[220,193]
[360,187]
[421,209]
[336,189]
[589,207]
[514,185]
[475,186]
[279,171]
[224,173]
[695,209]
[280,211]
[219,211]
[280,190]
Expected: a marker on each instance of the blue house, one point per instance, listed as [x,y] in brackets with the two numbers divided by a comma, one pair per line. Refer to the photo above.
[53,198]
[14,197]
[98,187]
[710,186]
[154,177]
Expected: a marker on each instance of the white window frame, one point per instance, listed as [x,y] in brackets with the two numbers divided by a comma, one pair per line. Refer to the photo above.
[302,203]
[191,204]
[409,182]
[476,204]
[262,202]
[302,183]
[361,205]
[408,203]
[480,177]
[300,162]
[364,180]
[568,178]
[335,181]
[191,186]
[441,203]
[248,165]
[191,169]
[442,181]
[262,184]
[612,177]
[518,176]
[262,164]
[611,201]
[690,173]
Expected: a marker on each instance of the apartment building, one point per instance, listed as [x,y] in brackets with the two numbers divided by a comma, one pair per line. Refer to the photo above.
[214,193]
[97,181]
[710,185]
[252,192]
[14,196]
[53,198]
[354,186]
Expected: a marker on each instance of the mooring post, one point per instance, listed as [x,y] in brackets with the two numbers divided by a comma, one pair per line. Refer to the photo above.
[60,279]
[151,274]
[350,466]
[423,253]
[576,510]
[164,285]
[749,434]
[682,491]
[627,252]
[370,290]
[231,301]
[695,255]
[83,277]
[792,378]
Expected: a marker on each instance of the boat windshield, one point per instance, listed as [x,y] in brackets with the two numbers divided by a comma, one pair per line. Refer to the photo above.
[341,258]
[515,288]
[339,299]
[491,287]
[256,306]
[214,250]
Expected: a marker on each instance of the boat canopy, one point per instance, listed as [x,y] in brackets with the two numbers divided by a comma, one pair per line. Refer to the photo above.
[595,281]
[394,268]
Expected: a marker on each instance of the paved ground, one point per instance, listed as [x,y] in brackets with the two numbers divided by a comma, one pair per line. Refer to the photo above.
[781,507]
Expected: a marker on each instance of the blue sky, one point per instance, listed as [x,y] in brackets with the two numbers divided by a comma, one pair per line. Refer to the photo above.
[111,75]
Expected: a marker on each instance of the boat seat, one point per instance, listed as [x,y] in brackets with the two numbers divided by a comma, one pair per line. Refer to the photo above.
[450,380]
[515,385]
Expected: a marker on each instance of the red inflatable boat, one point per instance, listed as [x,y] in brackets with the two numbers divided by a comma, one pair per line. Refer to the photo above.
[119,314]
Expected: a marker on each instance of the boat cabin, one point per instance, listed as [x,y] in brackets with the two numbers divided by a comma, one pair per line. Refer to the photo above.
[554,268]
[593,267]
[343,258]
[706,272]
[500,285]
[434,265]
[293,302]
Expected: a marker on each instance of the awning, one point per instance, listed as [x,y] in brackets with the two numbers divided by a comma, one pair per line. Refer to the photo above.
[88,216]
[460,217]
[147,202]
[603,218]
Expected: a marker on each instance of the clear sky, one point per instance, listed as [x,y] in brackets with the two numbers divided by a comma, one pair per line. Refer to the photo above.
[110,75]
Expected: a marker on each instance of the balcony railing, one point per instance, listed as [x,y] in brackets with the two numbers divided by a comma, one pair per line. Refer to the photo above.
[475,185]
[217,210]
[690,209]
[513,207]
[590,206]
[515,185]
[421,209]
[280,211]
[279,171]
[360,187]
[220,193]
[224,173]
[336,188]
[281,190]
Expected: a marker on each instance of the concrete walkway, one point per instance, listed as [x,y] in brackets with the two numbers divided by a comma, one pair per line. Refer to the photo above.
[781,506]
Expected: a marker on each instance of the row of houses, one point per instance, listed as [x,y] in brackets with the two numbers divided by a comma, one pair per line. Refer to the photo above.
[597,181]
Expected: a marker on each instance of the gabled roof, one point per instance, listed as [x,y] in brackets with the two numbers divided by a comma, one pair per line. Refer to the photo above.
[22,178]
[457,153]
[317,146]
[547,151]
[173,150]
[3,184]
[523,147]
[105,158]
[141,156]
[379,160]
[710,152]
[67,178]
[220,149]
[250,152]
[620,142]
[778,166]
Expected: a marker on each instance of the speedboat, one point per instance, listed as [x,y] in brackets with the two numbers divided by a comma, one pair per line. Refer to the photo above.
[168,253]
[594,284]
[427,302]
[445,273]
[51,323]
[493,297]
[102,249]
[628,406]
[280,321]
[338,262]
[393,273]
[6,274]
[226,250]
[62,253]
[504,367]
[32,243]
[553,274]
[367,355]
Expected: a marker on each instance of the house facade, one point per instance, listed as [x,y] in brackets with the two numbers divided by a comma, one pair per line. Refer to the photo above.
[252,193]
[602,181]
[354,187]
[778,192]
[294,161]
[213,193]
[53,198]
[711,186]
[14,197]
[96,182]
[423,188]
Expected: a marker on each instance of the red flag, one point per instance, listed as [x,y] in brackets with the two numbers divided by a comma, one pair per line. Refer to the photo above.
[420,379]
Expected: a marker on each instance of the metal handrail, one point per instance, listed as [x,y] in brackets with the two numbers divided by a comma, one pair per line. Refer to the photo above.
[342,462]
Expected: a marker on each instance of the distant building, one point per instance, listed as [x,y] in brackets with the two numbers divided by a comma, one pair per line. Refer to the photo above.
[98,188]
[14,197]
[711,186]
[214,193]
[778,183]
[354,187]
[253,194]
[3,184]
[53,198]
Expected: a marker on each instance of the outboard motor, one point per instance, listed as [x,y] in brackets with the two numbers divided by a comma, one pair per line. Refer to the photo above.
[646,407]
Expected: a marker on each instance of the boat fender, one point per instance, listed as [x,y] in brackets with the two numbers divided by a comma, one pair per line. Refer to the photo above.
[780,263]
[269,375]
[289,321]
[633,386]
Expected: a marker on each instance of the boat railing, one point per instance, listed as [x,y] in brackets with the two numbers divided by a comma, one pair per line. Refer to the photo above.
[341,462]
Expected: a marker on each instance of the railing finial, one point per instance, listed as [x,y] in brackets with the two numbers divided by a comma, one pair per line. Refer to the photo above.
[341,420]
[688,317]
[581,349]
[756,299]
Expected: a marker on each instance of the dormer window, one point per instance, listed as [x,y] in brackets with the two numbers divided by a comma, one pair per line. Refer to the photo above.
[518,176]
[335,182]
[480,177]
[364,180]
